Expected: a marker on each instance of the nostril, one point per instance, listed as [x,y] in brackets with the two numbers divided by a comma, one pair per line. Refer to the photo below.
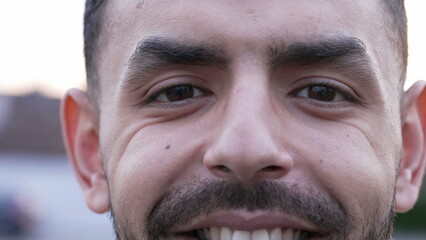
[271,172]
[271,168]
[223,168]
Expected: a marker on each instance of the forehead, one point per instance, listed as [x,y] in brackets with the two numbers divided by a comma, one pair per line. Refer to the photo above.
[242,19]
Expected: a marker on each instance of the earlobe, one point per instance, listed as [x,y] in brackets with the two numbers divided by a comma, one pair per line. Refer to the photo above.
[80,130]
[413,160]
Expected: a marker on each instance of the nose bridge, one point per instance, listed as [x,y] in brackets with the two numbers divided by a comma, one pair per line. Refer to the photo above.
[247,119]
[245,145]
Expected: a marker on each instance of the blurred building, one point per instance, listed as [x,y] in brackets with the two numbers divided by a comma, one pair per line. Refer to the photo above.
[30,123]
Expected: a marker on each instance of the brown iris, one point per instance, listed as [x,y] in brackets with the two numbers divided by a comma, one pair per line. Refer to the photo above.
[322,93]
[179,93]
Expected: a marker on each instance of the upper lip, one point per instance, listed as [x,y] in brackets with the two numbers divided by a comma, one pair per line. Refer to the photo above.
[248,221]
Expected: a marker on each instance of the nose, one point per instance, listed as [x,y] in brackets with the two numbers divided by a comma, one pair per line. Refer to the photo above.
[246,145]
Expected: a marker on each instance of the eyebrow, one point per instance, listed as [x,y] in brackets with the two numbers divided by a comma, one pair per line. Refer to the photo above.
[343,53]
[155,53]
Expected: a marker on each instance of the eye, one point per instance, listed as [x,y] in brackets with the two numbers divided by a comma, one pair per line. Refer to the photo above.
[322,93]
[177,93]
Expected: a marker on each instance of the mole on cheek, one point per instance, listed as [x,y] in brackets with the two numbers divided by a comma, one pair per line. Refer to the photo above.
[167,147]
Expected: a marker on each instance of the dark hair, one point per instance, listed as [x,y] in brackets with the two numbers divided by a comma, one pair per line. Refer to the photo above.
[398,33]
[95,9]
[93,18]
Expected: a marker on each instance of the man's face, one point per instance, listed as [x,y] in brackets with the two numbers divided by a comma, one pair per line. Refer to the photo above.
[249,117]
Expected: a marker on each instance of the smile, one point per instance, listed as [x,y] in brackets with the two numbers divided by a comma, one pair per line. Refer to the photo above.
[250,226]
[225,233]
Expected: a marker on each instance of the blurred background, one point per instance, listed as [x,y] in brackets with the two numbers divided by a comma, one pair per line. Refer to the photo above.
[40,58]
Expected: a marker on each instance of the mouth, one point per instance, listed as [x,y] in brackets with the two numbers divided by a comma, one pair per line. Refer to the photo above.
[250,226]
[226,233]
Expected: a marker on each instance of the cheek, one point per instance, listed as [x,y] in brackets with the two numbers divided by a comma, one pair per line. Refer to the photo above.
[348,164]
[155,159]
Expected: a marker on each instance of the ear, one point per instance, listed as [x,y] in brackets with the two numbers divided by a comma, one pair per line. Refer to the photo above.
[80,130]
[413,160]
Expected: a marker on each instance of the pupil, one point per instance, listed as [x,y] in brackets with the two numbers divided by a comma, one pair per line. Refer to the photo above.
[179,93]
[321,93]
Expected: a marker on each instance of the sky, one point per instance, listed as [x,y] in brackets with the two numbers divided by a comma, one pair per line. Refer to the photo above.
[41,45]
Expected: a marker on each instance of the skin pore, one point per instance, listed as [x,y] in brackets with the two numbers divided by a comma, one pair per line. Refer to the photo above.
[245,117]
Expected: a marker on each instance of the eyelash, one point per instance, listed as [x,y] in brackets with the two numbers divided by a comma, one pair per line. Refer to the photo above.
[348,96]
[153,97]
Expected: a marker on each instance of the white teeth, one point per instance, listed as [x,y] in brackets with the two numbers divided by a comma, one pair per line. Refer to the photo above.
[288,234]
[214,233]
[260,235]
[241,235]
[276,234]
[225,234]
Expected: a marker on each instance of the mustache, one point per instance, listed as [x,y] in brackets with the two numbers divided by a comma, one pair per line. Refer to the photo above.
[181,205]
